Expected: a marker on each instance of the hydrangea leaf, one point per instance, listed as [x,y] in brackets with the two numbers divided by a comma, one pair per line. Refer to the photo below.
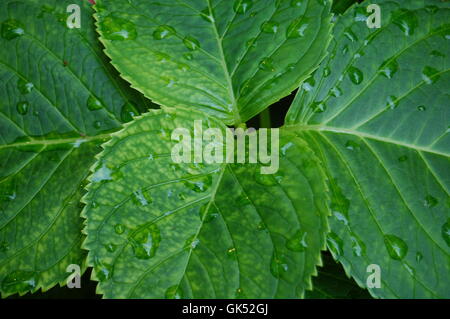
[156,229]
[230,59]
[58,101]
[377,113]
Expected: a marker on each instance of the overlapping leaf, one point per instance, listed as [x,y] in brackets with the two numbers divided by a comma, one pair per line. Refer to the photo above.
[156,229]
[230,59]
[58,100]
[377,112]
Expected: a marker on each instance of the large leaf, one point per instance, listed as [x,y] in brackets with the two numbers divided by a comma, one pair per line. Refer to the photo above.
[57,102]
[377,113]
[156,229]
[230,59]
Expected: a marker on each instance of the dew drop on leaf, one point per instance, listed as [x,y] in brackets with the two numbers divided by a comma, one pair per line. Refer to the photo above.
[208,212]
[429,75]
[266,64]
[403,158]
[119,229]
[12,29]
[141,198]
[93,103]
[127,112]
[297,242]
[199,185]
[278,266]
[352,145]
[406,20]
[110,247]
[430,201]
[163,32]
[270,27]
[389,68]
[335,244]
[115,28]
[349,34]
[174,292]
[24,86]
[336,92]
[231,252]
[23,107]
[392,102]
[421,108]
[446,232]
[242,6]
[102,270]
[318,107]
[355,75]
[145,241]
[296,3]
[358,247]
[396,247]
[297,28]
[20,280]
[191,43]
[4,246]
[419,257]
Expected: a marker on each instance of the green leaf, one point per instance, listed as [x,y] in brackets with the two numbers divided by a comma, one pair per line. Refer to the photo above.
[156,229]
[377,113]
[339,6]
[230,59]
[51,77]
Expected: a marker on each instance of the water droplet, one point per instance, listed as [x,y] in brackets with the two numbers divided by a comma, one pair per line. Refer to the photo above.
[102,174]
[103,271]
[264,179]
[430,201]
[297,28]
[206,15]
[358,247]
[199,185]
[174,292]
[421,108]
[419,257]
[318,107]
[326,72]
[309,84]
[403,158]
[278,266]
[428,75]
[12,29]
[127,112]
[239,293]
[266,64]
[335,244]
[191,43]
[242,6]
[145,241]
[286,147]
[297,242]
[392,102]
[270,27]
[115,28]
[355,75]
[396,247]
[93,103]
[141,198]
[349,34]
[25,87]
[111,247]
[296,3]
[20,280]
[389,68]
[336,92]
[446,232]
[163,32]
[261,226]
[208,212]
[352,145]
[406,20]
[119,229]
[22,107]
[191,243]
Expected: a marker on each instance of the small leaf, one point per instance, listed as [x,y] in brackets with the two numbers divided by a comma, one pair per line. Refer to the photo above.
[230,59]
[210,230]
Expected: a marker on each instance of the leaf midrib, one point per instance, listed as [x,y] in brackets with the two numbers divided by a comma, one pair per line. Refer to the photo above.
[364,135]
